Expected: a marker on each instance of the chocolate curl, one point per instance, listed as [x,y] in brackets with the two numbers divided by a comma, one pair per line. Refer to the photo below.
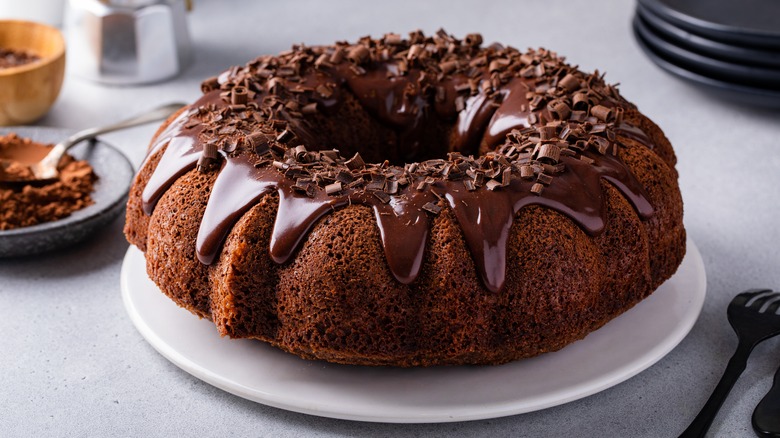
[391,187]
[448,66]
[322,61]
[393,39]
[324,91]
[600,143]
[274,85]
[569,83]
[547,132]
[578,116]
[550,152]
[259,141]
[284,136]
[415,52]
[497,65]
[619,114]
[210,151]
[337,56]
[209,84]
[473,40]
[492,185]
[333,189]
[356,162]
[300,153]
[430,207]
[239,96]
[602,113]
[544,178]
[204,164]
[310,108]
[526,171]
[208,157]
[292,106]
[559,110]
[358,54]
[580,101]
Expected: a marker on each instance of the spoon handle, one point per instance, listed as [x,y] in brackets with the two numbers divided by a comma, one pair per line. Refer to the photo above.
[766,416]
[147,117]
[47,167]
[701,424]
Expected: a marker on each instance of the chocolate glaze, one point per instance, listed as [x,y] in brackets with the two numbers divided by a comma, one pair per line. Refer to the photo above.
[634,133]
[400,102]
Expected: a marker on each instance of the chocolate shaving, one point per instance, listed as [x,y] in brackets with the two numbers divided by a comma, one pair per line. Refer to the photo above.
[358,54]
[473,40]
[382,196]
[492,185]
[544,178]
[569,83]
[284,136]
[356,162]
[602,113]
[239,96]
[334,188]
[431,208]
[448,67]
[526,171]
[549,152]
[559,110]
[209,85]
[310,108]
[270,101]
[337,56]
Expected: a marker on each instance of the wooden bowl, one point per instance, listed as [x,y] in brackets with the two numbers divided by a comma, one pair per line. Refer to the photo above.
[28,91]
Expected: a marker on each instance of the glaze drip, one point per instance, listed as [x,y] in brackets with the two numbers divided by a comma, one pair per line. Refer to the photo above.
[484,194]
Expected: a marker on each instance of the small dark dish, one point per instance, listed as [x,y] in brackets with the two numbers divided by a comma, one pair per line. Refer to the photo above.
[706,46]
[115,173]
[723,70]
[743,94]
[750,23]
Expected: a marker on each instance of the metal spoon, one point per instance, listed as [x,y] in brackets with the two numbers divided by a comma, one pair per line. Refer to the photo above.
[48,167]
[766,416]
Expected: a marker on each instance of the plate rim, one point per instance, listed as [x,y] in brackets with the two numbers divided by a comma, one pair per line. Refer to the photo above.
[753,55]
[91,213]
[744,94]
[711,29]
[653,355]
[766,76]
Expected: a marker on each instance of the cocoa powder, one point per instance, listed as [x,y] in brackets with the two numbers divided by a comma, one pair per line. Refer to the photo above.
[23,205]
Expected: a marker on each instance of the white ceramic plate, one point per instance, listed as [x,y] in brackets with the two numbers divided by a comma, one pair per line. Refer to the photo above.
[253,370]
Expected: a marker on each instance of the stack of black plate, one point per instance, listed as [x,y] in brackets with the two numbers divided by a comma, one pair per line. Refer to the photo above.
[728,46]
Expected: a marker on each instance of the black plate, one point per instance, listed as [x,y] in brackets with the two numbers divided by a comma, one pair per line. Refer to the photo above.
[752,23]
[115,174]
[752,96]
[762,77]
[706,46]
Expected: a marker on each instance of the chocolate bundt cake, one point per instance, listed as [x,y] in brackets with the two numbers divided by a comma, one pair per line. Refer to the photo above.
[408,201]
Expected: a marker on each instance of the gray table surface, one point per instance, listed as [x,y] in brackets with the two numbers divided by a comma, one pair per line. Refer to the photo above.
[73,364]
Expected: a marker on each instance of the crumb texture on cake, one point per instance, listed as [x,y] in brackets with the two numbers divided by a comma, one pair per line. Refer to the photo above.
[410,201]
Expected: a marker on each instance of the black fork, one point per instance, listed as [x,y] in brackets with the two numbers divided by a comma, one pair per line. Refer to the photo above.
[754,317]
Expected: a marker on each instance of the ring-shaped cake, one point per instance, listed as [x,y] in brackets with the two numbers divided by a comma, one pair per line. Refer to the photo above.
[409,202]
